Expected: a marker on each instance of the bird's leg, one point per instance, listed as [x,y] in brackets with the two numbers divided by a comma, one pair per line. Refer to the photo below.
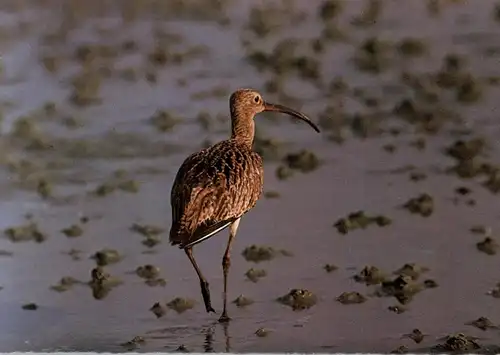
[203,282]
[226,263]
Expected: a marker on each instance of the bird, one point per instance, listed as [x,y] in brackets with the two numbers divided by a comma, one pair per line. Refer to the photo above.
[216,186]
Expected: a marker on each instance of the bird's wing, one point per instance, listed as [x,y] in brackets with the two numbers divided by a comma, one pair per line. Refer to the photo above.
[212,189]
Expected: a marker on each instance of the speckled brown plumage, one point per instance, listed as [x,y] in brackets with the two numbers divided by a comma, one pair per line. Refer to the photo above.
[215,187]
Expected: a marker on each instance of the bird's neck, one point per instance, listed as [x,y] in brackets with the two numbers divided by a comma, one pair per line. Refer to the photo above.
[243,129]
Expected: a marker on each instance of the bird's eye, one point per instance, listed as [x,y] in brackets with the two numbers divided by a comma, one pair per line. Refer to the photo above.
[256,99]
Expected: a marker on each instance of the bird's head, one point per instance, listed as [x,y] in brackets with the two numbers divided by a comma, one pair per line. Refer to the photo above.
[246,103]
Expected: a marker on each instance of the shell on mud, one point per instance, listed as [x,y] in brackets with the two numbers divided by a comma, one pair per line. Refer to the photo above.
[304,161]
[255,274]
[242,301]
[488,246]
[457,342]
[158,310]
[400,350]
[148,271]
[180,305]
[25,232]
[147,230]
[466,149]
[482,323]
[398,309]
[330,267]
[403,288]
[298,299]
[262,332]
[106,257]
[73,231]
[102,282]
[351,298]
[416,335]
[411,269]
[258,253]
[360,220]
[370,275]
[65,284]
[423,205]
[134,343]
[30,307]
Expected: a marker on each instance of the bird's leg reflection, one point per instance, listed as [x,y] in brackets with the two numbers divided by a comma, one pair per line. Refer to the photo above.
[209,337]
[225,326]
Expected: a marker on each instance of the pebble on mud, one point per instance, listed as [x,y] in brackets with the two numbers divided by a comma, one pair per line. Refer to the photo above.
[457,342]
[411,269]
[72,231]
[130,185]
[351,298]
[151,241]
[488,246]
[283,172]
[330,267]
[423,205]
[398,309]
[370,275]
[180,304]
[416,335]
[44,188]
[64,284]
[329,9]
[242,301]
[298,299]
[30,307]
[257,253]
[495,292]
[359,219]
[147,230]
[255,274]
[148,271]
[304,161]
[102,283]
[159,281]
[400,350]
[25,232]
[466,149]
[134,343]
[430,283]
[480,229]
[463,191]
[412,47]
[262,332]
[163,121]
[158,310]
[104,190]
[482,323]
[403,288]
[106,257]
[271,194]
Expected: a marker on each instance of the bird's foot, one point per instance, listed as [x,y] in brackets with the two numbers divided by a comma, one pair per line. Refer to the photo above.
[224,318]
[205,291]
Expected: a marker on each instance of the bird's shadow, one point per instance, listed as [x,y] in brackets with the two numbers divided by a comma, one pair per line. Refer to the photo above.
[209,336]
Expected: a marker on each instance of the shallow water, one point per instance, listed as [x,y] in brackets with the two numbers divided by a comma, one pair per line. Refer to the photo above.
[353,176]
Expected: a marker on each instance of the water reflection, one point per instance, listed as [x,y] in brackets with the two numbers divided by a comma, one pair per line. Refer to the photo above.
[209,337]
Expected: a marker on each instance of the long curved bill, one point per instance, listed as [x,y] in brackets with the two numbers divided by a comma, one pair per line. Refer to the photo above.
[280,108]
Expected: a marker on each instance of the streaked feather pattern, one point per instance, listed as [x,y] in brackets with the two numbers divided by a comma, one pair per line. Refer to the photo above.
[213,188]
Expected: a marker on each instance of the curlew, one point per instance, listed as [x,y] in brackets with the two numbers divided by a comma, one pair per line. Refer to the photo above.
[216,186]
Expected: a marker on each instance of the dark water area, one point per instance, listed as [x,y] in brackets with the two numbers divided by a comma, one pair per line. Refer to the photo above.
[102,101]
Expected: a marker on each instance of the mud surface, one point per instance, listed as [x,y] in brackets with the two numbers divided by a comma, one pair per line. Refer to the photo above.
[102,102]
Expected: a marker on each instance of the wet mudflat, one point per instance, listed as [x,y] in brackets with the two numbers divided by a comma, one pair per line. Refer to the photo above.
[380,235]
